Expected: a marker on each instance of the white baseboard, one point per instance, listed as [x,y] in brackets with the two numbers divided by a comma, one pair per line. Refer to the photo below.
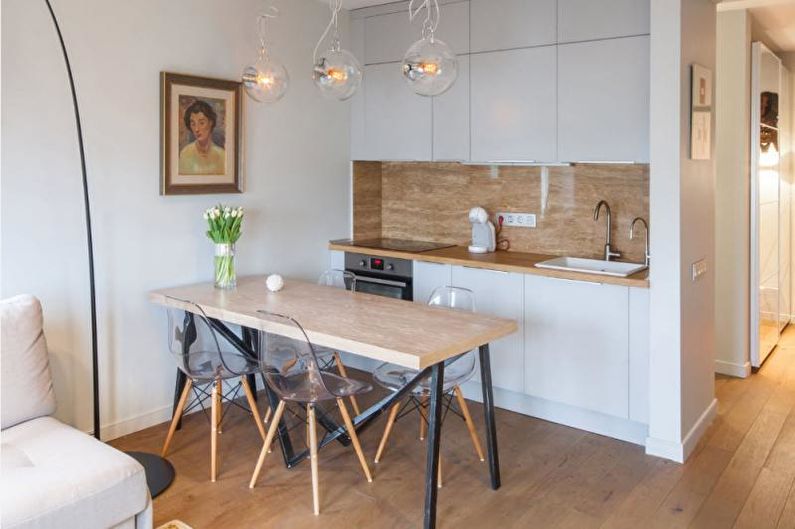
[679,452]
[733,369]
[148,419]
[581,418]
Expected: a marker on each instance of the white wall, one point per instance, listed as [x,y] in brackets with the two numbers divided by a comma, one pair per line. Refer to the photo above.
[732,193]
[296,191]
[681,386]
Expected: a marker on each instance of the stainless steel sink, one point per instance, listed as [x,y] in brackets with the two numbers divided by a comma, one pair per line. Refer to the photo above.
[592,266]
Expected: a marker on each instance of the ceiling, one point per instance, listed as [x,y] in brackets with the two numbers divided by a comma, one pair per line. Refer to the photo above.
[356,4]
[776,19]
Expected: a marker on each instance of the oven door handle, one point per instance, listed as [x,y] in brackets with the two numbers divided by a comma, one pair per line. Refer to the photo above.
[388,282]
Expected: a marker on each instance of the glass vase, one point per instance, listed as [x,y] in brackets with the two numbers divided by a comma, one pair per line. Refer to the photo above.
[225,266]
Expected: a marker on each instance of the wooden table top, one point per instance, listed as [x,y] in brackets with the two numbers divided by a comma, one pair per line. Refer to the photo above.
[401,332]
[520,262]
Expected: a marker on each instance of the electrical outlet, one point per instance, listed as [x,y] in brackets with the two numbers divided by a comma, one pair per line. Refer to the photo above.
[698,269]
[518,220]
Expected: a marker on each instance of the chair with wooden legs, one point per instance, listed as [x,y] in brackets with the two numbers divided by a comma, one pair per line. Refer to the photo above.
[207,359]
[462,369]
[343,279]
[290,367]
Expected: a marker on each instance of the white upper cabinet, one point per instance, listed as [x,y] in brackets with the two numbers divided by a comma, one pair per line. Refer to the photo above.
[387,37]
[507,24]
[397,122]
[451,118]
[499,294]
[513,105]
[358,138]
[601,19]
[603,100]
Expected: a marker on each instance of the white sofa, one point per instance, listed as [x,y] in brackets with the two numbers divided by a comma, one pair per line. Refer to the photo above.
[52,475]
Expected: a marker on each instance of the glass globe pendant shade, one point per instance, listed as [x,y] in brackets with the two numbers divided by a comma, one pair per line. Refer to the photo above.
[337,74]
[430,67]
[266,80]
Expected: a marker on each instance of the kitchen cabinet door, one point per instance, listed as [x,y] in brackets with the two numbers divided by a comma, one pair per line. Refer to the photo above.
[576,344]
[603,100]
[427,277]
[580,20]
[451,118]
[508,24]
[358,137]
[513,105]
[499,294]
[397,122]
[639,354]
[387,37]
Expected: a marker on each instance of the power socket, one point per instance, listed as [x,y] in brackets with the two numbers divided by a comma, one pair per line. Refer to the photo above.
[517,220]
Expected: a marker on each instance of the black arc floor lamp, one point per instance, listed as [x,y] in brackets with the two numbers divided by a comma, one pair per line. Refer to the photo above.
[159,472]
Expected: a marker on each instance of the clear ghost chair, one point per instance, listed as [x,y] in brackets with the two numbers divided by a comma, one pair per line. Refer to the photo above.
[327,357]
[462,369]
[206,359]
[290,366]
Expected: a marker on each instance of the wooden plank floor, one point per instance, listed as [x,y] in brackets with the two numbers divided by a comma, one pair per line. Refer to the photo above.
[740,476]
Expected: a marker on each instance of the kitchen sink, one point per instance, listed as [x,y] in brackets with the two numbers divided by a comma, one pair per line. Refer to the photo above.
[592,266]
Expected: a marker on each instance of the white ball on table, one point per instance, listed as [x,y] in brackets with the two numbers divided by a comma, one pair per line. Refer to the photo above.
[274,282]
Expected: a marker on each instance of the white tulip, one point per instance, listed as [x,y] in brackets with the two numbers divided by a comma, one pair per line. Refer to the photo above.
[234,213]
[205,216]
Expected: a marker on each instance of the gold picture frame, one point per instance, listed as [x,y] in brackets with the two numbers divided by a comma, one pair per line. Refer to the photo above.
[200,135]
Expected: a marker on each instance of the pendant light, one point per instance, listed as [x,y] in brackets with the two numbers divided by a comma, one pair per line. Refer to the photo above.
[336,73]
[266,80]
[430,67]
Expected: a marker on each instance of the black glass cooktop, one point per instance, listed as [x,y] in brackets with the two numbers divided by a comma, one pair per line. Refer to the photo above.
[401,245]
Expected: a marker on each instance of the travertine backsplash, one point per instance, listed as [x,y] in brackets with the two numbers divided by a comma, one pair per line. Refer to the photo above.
[431,201]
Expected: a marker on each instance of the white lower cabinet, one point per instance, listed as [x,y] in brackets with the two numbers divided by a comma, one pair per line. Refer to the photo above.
[427,277]
[577,344]
[499,294]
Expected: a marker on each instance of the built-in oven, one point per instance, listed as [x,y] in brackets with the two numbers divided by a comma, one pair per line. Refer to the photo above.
[383,276]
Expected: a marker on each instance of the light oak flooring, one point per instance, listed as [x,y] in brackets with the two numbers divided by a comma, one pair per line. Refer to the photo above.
[740,476]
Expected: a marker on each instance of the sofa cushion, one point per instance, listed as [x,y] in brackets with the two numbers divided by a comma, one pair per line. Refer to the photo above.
[72,480]
[26,389]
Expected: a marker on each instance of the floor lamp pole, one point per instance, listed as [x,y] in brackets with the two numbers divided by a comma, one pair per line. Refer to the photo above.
[159,472]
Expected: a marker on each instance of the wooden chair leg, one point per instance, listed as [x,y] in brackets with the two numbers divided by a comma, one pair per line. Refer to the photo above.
[343,372]
[215,420]
[310,411]
[267,415]
[439,474]
[252,403]
[387,430]
[354,439]
[423,423]
[267,444]
[177,415]
[473,433]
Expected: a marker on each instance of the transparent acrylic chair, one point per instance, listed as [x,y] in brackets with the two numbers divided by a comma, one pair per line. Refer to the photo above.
[290,366]
[207,359]
[462,369]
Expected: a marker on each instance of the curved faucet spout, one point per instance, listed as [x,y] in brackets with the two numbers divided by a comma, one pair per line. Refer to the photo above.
[609,252]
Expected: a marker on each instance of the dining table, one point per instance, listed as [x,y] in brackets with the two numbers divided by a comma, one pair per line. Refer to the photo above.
[412,335]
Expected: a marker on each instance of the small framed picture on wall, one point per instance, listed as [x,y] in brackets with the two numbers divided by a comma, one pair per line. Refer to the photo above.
[200,135]
[701,113]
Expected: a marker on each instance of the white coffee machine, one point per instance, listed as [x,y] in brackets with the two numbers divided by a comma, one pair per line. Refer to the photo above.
[484,236]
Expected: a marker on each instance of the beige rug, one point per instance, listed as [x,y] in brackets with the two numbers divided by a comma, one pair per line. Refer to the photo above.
[175,524]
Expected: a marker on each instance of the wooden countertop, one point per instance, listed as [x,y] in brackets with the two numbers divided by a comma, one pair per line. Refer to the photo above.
[520,262]
[409,334]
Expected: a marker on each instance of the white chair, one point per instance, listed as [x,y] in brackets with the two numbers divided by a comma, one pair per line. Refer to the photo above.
[52,474]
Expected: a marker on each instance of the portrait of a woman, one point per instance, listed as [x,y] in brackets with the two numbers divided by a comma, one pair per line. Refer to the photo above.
[202,155]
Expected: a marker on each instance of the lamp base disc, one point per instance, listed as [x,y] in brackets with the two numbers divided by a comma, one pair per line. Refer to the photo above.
[159,471]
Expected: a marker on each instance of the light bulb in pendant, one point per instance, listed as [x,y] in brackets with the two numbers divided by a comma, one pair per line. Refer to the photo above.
[430,67]
[266,80]
[337,74]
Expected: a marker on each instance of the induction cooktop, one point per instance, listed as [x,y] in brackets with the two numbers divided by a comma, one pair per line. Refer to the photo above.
[401,245]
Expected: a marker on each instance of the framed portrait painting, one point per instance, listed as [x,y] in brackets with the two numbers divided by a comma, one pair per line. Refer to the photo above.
[200,131]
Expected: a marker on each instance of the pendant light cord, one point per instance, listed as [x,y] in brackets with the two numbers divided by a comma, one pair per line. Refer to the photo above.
[431,22]
[272,12]
[334,6]
[93,294]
